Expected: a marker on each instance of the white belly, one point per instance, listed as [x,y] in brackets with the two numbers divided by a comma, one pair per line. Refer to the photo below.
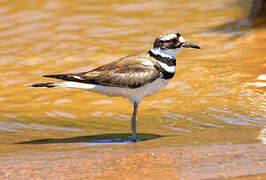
[135,94]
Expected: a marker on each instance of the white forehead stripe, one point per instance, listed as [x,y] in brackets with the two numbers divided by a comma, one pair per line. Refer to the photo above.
[168,37]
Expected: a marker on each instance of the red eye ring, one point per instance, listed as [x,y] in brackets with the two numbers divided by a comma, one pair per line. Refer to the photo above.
[174,40]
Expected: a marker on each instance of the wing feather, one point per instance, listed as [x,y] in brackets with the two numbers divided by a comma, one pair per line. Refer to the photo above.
[132,74]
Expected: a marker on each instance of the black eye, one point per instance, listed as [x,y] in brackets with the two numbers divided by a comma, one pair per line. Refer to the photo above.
[174,40]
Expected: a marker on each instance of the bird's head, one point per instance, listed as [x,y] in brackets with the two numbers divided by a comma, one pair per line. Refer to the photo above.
[172,43]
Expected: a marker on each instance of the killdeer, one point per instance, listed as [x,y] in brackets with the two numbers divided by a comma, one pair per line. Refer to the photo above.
[132,77]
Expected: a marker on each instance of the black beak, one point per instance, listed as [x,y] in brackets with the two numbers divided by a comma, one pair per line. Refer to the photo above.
[189,45]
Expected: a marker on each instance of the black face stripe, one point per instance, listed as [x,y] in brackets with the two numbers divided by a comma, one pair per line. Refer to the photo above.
[166,60]
[171,46]
[174,40]
[166,41]
[168,44]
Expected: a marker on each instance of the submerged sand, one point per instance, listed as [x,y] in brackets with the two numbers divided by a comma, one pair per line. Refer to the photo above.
[201,162]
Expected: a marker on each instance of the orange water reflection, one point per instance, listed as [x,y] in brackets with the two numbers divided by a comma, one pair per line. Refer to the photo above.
[216,96]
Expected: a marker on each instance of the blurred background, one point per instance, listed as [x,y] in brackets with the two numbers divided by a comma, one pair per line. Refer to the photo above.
[216,97]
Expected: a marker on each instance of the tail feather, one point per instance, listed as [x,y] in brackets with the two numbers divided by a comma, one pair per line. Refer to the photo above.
[57,76]
[47,85]
[66,77]
[65,84]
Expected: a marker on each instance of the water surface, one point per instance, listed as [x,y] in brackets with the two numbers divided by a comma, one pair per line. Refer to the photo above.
[216,97]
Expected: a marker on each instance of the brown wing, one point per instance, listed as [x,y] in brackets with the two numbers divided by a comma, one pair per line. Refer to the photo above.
[121,73]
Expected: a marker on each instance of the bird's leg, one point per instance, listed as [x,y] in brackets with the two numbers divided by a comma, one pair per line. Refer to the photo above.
[133,120]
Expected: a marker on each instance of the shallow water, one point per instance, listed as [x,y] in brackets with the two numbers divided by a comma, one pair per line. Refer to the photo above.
[216,97]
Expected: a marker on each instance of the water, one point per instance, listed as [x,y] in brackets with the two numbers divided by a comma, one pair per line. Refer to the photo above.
[216,97]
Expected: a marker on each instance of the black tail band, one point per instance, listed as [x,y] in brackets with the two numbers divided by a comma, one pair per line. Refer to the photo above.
[47,85]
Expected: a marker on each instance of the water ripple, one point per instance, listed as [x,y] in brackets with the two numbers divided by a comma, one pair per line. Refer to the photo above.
[13,126]
[179,129]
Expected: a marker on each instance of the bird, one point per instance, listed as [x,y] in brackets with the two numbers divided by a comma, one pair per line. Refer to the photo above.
[132,77]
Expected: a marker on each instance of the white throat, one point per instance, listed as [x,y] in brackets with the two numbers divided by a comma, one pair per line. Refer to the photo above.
[170,53]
